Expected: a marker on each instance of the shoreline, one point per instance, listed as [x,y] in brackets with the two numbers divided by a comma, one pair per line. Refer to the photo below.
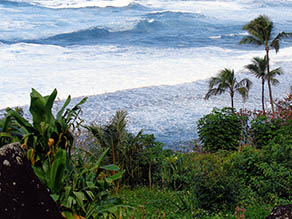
[170,112]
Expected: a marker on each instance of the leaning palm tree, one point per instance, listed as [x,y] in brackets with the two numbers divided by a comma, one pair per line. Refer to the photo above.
[261,34]
[225,81]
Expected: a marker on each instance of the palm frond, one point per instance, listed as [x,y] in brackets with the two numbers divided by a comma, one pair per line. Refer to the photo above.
[214,81]
[275,72]
[274,81]
[258,67]
[251,40]
[243,92]
[214,92]
[276,42]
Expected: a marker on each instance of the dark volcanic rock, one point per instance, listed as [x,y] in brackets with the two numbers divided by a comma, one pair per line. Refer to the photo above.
[22,195]
[281,212]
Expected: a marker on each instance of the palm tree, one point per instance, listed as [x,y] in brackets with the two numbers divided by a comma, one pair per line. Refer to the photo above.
[258,68]
[261,34]
[226,82]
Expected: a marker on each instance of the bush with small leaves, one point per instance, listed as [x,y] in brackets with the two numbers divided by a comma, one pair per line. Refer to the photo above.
[221,130]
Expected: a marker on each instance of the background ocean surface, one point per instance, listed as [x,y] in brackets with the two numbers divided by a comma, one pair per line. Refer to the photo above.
[151,58]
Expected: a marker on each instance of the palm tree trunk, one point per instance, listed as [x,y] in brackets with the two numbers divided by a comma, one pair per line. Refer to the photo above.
[269,80]
[263,95]
[232,102]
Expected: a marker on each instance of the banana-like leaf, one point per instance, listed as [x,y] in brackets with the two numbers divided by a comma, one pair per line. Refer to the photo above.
[21,121]
[55,197]
[110,167]
[114,177]
[96,166]
[4,134]
[68,189]
[40,174]
[57,171]
[40,108]
[50,101]
[80,199]
[6,123]
[68,215]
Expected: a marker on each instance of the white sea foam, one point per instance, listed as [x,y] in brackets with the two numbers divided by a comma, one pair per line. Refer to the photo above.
[215,37]
[101,69]
[162,88]
[77,3]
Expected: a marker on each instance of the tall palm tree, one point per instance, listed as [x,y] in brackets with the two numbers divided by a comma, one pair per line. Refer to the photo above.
[225,81]
[261,34]
[258,68]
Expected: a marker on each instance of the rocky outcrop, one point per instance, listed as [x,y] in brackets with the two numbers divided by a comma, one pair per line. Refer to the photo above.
[22,195]
[281,212]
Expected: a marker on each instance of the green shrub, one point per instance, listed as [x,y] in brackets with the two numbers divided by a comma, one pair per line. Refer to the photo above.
[206,178]
[263,130]
[139,155]
[220,130]
[212,183]
[264,171]
[177,171]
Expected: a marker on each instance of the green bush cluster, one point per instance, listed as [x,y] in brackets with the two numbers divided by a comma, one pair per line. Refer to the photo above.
[263,130]
[139,155]
[221,130]
[229,172]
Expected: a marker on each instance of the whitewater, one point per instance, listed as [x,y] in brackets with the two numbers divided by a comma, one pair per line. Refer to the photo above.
[151,58]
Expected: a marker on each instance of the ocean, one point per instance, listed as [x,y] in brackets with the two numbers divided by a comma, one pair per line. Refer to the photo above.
[151,58]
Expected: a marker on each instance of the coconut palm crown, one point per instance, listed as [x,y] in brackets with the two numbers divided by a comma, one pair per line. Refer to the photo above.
[225,81]
[261,33]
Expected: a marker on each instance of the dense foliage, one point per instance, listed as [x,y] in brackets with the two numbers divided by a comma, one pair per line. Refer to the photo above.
[139,155]
[221,130]
[80,189]
[243,162]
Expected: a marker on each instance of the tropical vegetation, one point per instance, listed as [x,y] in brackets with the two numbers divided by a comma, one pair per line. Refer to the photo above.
[239,167]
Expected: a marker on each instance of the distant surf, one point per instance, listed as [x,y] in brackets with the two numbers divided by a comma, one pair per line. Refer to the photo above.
[150,57]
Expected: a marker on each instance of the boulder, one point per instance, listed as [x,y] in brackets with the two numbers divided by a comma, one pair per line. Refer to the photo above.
[281,212]
[22,195]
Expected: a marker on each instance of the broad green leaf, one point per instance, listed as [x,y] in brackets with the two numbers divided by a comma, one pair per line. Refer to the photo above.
[50,101]
[110,167]
[55,197]
[80,198]
[96,166]
[67,191]
[114,177]
[40,174]
[68,214]
[21,121]
[39,108]
[57,170]
[4,134]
